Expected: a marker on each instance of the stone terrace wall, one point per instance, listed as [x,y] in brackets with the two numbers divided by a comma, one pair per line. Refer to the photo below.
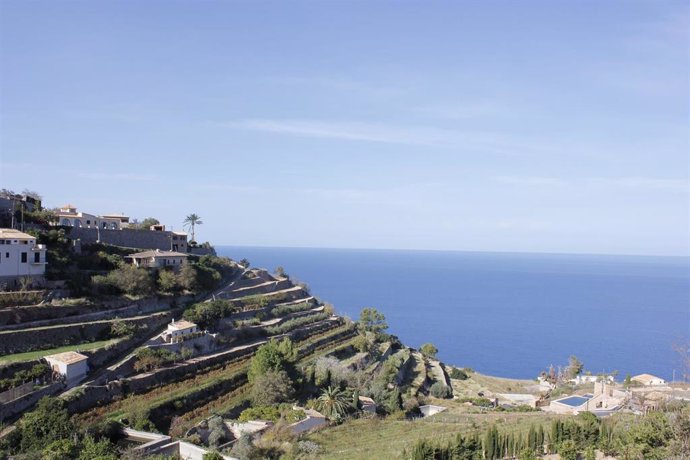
[13,408]
[34,339]
[127,237]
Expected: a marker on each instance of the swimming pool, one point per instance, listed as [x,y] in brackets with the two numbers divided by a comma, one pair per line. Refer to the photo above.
[573,401]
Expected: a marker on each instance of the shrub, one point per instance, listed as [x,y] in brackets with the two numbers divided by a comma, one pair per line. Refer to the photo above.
[272,387]
[153,358]
[120,328]
[167,281]
[207,314]
[440,390]
[127,279]
[294,323]
[458,374]
[273,413]
[197,278]
[428,350]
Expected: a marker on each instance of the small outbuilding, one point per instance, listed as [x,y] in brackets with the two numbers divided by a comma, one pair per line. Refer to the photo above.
[367,404]
[182,329]
[648,380]
[71,365]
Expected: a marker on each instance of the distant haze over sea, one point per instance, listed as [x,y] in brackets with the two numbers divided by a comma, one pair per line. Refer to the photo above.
[504,314]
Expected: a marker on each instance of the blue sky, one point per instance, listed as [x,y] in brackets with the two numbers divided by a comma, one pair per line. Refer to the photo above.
[505,126]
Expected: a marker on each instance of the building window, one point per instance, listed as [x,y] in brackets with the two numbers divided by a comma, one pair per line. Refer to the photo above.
[24,257]
[88,222]
[37,257]
[7,255]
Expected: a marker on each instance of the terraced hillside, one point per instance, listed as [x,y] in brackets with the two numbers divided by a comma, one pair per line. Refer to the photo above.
[258,307]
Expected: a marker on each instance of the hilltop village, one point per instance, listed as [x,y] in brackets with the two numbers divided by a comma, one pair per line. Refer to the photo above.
[123,339]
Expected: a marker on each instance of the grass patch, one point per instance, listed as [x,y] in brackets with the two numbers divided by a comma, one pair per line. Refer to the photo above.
[386,438]
[31,355]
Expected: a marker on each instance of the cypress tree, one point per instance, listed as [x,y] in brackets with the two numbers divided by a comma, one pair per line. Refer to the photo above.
[540,440]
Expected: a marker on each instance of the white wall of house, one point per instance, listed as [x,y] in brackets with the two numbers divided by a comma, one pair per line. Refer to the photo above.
[20,256]
[73,372]
[182,332]
[84,219]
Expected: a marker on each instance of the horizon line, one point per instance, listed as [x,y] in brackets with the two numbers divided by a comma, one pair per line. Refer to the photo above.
[516,252]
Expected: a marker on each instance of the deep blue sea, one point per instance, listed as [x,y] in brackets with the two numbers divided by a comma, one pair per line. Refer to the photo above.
[508,314]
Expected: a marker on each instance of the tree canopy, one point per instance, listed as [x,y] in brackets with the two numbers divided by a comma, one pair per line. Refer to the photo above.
[371,320]
[274,355]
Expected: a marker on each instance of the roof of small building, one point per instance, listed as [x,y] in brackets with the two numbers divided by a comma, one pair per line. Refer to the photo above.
[181,324]
[646,378]
[156,253]
[365,400]
[15,234]
[68,357]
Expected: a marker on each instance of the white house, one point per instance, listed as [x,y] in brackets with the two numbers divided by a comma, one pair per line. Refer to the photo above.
[313,420]
[181,328]
[69,217]
[70,364]
[20,256]
[648,380]
[158,259]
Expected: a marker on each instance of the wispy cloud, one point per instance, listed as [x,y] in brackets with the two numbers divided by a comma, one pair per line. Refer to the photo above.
[531,180]
[469,110]
[337,84]
[523,224]
[630,182]
[123,177]
[678,185]
[355,131]
[480,141]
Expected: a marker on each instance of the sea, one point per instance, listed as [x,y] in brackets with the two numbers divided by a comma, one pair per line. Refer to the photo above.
[508,314]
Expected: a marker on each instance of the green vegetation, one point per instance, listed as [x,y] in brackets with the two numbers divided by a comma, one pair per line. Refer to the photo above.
[441,390]
[333,403]
[291,308]
[145,224]
[207,314]
[37,372]
[273,413]
[371,320]
[127,279]
[153,358]
[190,222]
[273,356]
[654,436]
[458,374]
[31,355]
[429,350]
[272,387]
[294,323]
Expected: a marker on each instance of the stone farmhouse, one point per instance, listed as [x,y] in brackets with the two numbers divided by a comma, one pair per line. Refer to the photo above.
[20,257]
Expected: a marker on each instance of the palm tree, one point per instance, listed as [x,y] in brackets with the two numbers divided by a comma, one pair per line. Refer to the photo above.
[191,221]
[332,403]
